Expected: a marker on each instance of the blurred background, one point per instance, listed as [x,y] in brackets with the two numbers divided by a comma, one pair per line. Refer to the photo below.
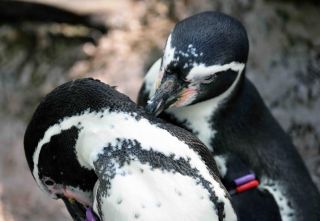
[44,43]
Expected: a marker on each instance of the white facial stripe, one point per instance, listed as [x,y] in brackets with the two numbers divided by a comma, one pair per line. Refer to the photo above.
[200,71]
[154,195]
[167,58]
[54,130]
[278,192]
[168,55]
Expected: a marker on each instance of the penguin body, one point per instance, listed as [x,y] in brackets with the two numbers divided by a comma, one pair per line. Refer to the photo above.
[94,148]
[200,83]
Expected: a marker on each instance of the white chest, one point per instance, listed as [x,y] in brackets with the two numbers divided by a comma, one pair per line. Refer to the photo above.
[141,193]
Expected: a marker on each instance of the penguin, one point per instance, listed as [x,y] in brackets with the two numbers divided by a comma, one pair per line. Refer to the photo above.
[199,83]
[95,149]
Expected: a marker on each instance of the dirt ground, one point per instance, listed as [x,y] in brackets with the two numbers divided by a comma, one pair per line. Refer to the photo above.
[284,64]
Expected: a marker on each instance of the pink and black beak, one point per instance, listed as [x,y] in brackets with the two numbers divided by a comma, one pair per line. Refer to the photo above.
[79,212]
[166,95]
[76,210]
[172,92]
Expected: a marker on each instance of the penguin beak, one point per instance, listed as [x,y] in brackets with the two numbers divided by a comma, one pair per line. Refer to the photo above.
[76,210]
[165,95]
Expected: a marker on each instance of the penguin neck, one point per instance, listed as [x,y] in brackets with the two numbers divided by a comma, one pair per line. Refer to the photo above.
[241,116]
[96,134]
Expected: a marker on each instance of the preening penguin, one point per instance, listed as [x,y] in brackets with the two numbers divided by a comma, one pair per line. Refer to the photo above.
[94,148]
[200,82]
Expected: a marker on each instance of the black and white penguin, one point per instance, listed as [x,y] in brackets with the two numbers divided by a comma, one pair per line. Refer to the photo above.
[200,82]
[94,148]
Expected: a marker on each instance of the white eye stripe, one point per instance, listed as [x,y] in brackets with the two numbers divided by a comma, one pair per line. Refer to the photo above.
[169,52]
[200,71]
[208,79]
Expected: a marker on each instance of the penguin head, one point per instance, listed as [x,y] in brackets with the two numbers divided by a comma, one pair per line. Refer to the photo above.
[49,148]
[204,55]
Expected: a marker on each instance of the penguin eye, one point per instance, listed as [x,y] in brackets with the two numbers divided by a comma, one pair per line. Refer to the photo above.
[48,181]
[208,79]
[211,77]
